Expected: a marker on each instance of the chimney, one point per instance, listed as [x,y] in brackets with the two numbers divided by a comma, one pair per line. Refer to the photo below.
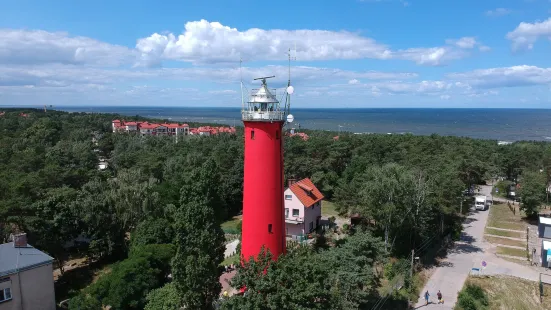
[291,182]
[20,240]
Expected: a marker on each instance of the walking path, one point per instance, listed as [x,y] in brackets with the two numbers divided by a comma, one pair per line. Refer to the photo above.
[469,253]
[231,248]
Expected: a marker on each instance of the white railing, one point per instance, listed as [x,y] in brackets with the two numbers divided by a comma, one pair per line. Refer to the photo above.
[294,220]
[266,116]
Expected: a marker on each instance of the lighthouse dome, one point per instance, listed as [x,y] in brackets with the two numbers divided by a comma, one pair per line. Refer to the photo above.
[263,95]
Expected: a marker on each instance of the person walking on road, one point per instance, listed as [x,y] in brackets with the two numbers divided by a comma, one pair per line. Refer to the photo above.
[439,295]
[427,295]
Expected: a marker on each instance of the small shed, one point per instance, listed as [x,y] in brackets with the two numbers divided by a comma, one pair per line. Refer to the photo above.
[546,253]
[544,227]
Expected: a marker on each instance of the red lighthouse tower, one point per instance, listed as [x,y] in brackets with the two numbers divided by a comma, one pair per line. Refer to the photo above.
[263,217]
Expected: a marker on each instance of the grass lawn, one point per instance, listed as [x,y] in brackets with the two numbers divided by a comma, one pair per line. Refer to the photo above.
[504,241]
[234,259]
[511,252]
[328,209]
[502,217]
[231,225]
[511,293]
[505,233]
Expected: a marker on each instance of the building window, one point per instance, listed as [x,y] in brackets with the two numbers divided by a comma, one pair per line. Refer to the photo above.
[288,197]
[311,226]
[5,294]
[295,212]
[286,212]
[252,134]
[269,228]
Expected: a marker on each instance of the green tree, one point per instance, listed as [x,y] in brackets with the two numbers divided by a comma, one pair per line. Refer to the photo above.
[152,231]
[200,243]
[54,223]
[532,192]
[164,298]
[337,278]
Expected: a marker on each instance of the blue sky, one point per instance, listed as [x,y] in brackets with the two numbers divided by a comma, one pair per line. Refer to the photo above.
[349,53]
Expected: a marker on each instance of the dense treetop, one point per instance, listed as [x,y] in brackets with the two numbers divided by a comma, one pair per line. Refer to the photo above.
[407,188]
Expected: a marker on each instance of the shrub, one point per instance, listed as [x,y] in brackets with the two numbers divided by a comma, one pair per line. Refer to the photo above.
[472,297]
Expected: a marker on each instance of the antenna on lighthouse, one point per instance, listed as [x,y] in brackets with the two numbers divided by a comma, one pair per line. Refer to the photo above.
[290,89]
[241,77]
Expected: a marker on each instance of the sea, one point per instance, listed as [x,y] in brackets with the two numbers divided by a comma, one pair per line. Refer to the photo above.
[506,125]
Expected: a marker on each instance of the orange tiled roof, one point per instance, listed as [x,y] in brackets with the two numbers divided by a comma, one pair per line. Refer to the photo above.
[306,192]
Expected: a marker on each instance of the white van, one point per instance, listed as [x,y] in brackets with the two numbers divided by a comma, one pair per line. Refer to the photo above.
[480,203]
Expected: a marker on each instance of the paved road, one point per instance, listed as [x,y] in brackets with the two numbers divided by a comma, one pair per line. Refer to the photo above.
[469,253]
[231,248]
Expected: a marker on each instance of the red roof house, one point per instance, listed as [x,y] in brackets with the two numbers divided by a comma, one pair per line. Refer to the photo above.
[302,207]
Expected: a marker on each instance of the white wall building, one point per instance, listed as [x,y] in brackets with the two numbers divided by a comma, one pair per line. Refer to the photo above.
[302,207]
[26,277]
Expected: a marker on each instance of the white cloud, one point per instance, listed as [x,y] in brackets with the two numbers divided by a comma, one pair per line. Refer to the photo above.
[445,97]
[401,87]
[353,81]
[498,12]
[223,92]
[211,42]
[204,42]
[64,75]
[515,76]
[39,47]
[465,42]
[526,34]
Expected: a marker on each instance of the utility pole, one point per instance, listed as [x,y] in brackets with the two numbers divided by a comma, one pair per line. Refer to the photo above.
[412,259]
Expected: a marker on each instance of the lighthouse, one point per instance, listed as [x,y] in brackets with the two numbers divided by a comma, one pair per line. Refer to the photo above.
[263,217]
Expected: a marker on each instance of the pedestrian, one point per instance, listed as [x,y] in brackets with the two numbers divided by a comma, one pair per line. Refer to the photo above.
[534,262]
[439,295]
[427,295]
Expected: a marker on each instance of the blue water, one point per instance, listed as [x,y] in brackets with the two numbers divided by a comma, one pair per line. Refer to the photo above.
[497,124]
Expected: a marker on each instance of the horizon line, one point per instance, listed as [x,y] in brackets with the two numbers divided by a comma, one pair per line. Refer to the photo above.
[299,108]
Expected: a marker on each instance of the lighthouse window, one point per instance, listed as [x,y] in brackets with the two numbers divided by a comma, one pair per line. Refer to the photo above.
[277,134]
[270,228]
[252,134]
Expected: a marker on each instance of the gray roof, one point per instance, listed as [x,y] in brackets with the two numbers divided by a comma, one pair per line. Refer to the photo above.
[13,260]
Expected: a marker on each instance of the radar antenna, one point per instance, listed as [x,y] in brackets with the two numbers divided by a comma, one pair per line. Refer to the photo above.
[264,79]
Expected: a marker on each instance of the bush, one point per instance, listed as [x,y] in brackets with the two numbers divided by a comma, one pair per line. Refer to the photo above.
[466,302]
[472,297]
[130,280]
[477,293]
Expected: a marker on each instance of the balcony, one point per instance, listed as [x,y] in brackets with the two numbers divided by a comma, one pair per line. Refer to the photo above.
[263,116]
[294,220]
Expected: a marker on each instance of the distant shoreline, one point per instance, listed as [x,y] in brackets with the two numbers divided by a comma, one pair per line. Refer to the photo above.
[508,125]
